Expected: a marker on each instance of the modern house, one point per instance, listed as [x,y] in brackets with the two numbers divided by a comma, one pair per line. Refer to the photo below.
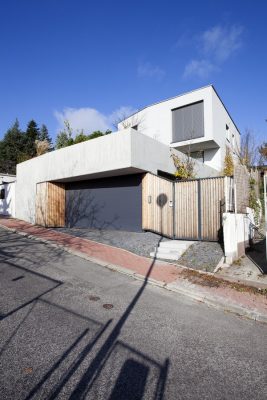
[98,183]
[195,123]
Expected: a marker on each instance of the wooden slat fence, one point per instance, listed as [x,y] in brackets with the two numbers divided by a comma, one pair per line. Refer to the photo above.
[50,204]
[186,223]
[193,209]
[212,200]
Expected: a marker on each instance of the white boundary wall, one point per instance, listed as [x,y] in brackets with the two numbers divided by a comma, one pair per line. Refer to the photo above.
[237,233]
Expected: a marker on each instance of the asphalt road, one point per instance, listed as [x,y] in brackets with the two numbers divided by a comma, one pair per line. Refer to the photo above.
[70,329]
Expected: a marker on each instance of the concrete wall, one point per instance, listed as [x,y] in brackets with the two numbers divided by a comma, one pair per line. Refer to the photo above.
[155,121]
[7,205]
[237,232]
[120,153]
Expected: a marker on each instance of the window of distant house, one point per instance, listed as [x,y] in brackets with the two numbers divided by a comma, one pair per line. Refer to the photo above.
[188,122]
[2,194]
[135,127]
[198,155]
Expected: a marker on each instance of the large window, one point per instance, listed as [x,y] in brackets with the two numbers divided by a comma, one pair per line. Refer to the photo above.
[188,122]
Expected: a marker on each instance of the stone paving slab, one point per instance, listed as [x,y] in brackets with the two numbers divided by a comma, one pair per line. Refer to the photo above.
[213,291]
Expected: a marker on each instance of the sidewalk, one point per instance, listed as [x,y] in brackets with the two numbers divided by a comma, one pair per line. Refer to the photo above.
[203,287]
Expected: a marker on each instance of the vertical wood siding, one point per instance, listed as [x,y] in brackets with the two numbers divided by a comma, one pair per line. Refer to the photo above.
[50,204]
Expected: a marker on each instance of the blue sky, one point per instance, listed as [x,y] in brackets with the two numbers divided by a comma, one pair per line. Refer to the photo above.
[90,61]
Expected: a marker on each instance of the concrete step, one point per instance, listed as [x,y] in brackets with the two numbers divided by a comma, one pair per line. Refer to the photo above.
[171,249]
[177,244]
[165,256]
[166,250]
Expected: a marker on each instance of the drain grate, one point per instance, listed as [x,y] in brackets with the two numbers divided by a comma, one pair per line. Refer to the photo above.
[108,306]
[94,298]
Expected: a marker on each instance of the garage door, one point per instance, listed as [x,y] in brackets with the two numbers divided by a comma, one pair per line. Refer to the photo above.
[108,203]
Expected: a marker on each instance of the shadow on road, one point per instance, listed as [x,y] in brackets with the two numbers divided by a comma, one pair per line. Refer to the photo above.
[73,359]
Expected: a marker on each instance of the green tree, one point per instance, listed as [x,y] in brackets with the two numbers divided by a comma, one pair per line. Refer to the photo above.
[62,140]
[64,137]
[81,137]
[12,149]
[31,135]
[44,136]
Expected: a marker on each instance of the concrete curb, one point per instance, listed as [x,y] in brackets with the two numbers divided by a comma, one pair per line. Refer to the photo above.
[200,297]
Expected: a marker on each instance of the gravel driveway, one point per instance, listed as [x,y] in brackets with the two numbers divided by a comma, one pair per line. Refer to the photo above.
[141,243]
[203,256]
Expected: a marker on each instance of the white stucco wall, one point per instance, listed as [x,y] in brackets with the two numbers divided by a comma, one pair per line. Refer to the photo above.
[155,121]
[237,233]
[7,205]
[119,153]
[230,138]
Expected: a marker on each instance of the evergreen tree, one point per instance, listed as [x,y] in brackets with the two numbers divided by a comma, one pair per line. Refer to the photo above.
[44,135]
[11,149]
[31,135]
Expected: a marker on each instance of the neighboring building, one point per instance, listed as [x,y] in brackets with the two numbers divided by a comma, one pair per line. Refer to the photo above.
[196,122]
[98,183]
[7,194]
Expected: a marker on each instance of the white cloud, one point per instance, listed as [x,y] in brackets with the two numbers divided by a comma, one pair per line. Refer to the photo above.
[120,114]
[221,42]
[199,68]
[151,71]
[216,46]
[87,119]
[90,119]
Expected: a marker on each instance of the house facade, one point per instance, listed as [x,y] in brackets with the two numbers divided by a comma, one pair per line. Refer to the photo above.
[102,179]
[98,183]
[195,123]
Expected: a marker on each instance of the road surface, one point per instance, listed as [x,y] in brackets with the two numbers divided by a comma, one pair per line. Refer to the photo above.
[71,329]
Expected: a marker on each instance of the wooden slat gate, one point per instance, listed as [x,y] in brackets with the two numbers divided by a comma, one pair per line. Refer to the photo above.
[191,210]
[157,201]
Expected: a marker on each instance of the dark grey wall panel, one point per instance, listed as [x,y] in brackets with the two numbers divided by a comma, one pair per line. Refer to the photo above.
[108,203]
[188,122]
